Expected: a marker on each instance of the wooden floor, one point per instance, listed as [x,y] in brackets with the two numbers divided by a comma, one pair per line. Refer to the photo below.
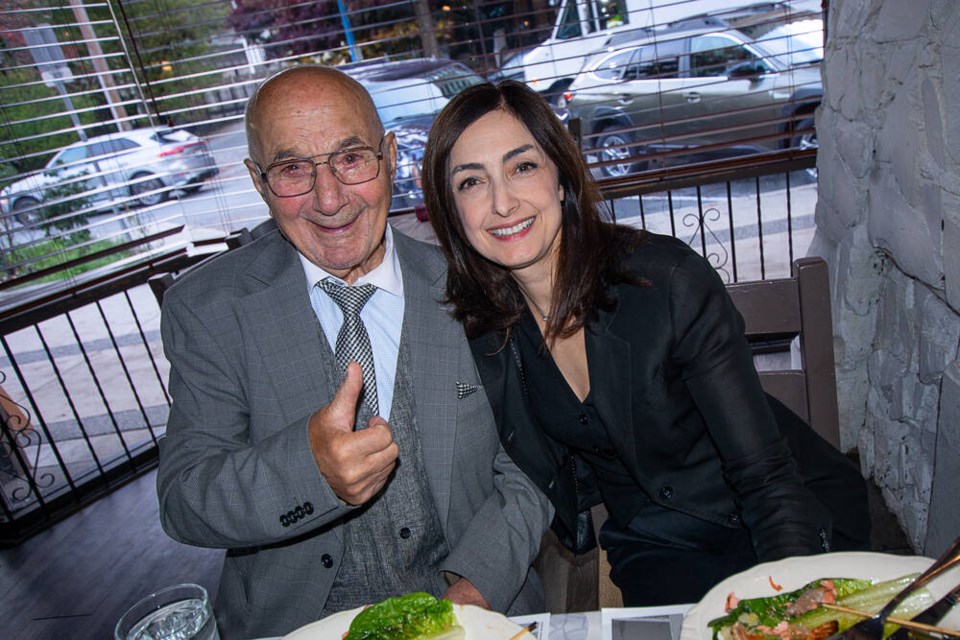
[74,580]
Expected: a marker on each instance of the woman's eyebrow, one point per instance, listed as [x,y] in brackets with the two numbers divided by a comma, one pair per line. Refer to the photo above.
[467,166]
[478,166]
[515,152]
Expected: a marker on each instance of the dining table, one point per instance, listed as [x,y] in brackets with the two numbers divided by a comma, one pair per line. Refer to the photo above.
[563,626]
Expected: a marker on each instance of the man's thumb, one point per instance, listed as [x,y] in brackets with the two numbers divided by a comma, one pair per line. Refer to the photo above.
[343,407]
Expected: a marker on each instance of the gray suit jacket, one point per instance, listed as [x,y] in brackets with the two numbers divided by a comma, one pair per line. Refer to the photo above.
[235,464]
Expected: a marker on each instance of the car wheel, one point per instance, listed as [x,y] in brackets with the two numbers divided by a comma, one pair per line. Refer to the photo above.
[148,191]
[806,140]
[611,147]
[25,211]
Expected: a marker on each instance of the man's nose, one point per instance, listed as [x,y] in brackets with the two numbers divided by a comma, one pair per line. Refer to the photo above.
[328,190]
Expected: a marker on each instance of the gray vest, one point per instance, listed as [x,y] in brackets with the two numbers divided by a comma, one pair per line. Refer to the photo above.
[393,544]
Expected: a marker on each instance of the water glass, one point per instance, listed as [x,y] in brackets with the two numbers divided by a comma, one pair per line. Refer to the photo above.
[180,612]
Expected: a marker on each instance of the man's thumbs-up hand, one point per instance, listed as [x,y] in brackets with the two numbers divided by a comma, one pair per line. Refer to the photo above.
[356,464]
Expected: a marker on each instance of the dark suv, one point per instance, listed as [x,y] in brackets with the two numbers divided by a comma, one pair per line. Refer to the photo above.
[698,89]
[408,95]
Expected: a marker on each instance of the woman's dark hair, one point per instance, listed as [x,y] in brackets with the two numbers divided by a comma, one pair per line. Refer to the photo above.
[484,295]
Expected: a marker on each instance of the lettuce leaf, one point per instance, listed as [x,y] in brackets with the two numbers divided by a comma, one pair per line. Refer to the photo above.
[406,617]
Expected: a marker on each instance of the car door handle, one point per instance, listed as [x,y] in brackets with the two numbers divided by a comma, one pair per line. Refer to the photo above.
[692,96]
[624,98]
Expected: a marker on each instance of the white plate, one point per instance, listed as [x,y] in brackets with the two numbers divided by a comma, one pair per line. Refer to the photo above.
[479,624]
[793,573]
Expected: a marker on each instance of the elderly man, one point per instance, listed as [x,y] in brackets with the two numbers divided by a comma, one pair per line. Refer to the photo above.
[333,484]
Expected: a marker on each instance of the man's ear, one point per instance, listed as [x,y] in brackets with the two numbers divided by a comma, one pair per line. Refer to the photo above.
[391,143]
[255,176]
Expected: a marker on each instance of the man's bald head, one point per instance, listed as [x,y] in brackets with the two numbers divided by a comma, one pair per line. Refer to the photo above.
[304,84]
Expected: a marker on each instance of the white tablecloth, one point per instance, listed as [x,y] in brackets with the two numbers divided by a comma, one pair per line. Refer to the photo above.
[567,626]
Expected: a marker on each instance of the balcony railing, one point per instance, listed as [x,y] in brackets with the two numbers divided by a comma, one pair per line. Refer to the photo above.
[84,379]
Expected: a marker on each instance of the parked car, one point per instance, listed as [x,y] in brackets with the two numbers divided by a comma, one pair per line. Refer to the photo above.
[142,165]
[408,95]
[700,87]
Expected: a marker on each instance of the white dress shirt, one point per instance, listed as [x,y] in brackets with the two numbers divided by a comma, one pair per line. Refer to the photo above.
[382,315]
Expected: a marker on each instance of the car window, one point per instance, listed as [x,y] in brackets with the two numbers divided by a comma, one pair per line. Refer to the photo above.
[172,135]
[453,79]
[614,67]
[658,60]
[613,14]
[570,25]
[69,156]
[714,55]
[111,147]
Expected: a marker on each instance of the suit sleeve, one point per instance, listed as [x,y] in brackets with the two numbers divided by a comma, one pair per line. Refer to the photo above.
[503,537]
[783,516]
[216,486]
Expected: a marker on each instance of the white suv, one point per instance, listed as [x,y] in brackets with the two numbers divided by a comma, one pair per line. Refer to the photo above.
[143,166]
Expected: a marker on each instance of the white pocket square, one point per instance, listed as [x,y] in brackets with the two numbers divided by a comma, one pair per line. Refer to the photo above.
[464,389]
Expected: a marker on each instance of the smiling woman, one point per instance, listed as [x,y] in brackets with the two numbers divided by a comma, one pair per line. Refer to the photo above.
[617,364]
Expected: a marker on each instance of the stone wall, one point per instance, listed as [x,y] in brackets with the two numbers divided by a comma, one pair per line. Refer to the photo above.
[888,223]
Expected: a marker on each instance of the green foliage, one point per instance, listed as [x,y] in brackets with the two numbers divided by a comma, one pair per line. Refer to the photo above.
[56,251]
[31,119]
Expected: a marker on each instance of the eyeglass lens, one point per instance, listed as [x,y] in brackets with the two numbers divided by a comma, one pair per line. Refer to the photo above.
[297,177]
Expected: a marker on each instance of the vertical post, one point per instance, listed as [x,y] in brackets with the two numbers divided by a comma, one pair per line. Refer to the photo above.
[355,54]
[428,36]
[104,75]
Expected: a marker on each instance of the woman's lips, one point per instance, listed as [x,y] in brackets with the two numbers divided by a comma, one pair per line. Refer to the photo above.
[504,233]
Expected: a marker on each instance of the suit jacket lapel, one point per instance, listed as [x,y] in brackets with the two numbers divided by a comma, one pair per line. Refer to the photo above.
[285,329]
[610,372]
[430,332]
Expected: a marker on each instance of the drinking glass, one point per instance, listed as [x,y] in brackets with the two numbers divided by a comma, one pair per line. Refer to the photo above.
[180,612]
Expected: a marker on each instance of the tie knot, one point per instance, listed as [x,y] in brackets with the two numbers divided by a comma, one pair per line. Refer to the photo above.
[349,299]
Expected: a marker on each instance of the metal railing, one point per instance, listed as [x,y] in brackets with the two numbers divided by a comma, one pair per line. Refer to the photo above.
[83,396]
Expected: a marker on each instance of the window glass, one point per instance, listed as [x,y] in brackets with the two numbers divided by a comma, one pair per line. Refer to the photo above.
[111,147]
[570,24]
[71,156]
[613,13]
[713,56]
[660,60]
[615,67]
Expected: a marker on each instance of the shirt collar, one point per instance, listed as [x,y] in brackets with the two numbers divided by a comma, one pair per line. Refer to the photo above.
[386,275]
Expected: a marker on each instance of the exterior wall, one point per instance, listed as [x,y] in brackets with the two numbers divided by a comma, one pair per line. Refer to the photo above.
[888,223]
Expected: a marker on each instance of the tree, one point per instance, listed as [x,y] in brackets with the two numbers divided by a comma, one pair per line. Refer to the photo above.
[292,28]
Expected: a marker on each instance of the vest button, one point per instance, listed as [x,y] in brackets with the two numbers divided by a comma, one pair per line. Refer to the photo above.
[326,560]
[405,533]
[734,518]
[582,418]
[666,492]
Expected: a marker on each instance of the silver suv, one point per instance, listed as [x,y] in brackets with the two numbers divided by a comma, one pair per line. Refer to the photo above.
[699,89]
[143,166]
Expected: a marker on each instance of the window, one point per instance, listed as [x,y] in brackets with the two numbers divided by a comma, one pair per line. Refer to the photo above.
[660,60]
[616,67]
[715,55]
[570,25]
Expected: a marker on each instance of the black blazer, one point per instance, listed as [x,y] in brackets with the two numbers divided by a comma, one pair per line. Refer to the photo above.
[673,380]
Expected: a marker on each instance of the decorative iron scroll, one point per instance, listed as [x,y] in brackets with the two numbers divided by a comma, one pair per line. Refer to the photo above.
[19,453]
[698,222]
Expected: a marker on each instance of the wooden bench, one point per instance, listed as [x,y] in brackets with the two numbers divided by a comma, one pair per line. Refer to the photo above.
[790,316]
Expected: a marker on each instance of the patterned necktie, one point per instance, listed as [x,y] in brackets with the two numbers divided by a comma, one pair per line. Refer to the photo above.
[353,343]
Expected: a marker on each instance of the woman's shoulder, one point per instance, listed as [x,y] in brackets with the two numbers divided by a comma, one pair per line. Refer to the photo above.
[644,250]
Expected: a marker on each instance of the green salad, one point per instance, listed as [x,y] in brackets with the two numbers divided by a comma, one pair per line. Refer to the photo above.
[410,617]
[800,614]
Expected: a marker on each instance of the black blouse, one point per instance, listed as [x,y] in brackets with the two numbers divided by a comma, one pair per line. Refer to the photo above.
[578,427]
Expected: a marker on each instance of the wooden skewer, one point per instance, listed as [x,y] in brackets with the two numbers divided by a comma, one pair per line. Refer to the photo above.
[527,629]
[910,624]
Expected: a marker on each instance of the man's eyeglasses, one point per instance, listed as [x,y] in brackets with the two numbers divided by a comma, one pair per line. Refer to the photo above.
[289,178]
